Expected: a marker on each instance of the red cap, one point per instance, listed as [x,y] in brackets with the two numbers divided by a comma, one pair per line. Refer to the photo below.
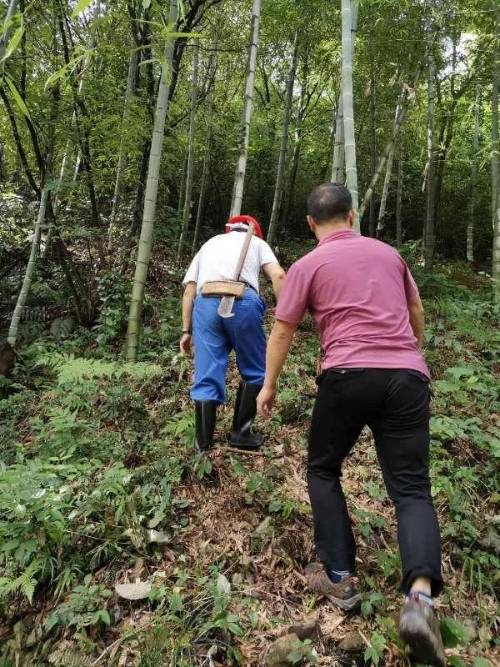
[237,220]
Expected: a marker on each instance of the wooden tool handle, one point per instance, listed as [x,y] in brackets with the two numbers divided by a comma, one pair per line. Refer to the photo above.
[244,252]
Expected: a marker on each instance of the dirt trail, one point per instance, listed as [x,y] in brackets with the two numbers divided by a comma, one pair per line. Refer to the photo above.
[266,551]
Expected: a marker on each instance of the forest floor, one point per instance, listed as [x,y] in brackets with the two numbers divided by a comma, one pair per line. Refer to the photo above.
[99,486]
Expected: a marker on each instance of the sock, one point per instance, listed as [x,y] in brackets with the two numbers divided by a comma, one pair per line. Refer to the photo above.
[336,576]
[422,597]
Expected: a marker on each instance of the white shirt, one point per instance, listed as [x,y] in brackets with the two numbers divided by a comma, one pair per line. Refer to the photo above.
[218,257]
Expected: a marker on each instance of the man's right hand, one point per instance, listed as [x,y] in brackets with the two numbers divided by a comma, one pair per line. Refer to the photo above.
[186,344]
[265,400]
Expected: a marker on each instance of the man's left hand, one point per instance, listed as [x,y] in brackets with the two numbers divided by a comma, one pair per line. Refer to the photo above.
[265,401]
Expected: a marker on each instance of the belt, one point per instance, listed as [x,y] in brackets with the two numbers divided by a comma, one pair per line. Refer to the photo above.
[216,296]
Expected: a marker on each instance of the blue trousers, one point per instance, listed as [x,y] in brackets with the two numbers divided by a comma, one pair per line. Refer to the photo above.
[215,337]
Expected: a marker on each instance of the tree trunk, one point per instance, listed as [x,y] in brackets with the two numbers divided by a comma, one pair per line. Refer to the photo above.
[19,144]
[495,165]
[429,230]
[399,198]
[40,219]
[212,66]
[241,166]
[385,194]
[30,269]
[182,191]
[66,154]
[186,215]
[65,160]
[388,176]
[348,106]
[11,10]
[60,180]
[143,41]
[403,108]
[373,143]
[278,189]
[76,169]
[473,178]
[122,159]
[81,110]
[338,161]
[442,147]
[203,182]
[150,197]
[294,169]
[141,189]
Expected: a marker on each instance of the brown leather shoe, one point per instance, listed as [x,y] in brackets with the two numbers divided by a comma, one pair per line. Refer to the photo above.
[419,629]
[344,594]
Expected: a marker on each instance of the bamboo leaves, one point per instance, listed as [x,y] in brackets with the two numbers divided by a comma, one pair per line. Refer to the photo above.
[21,104]
[7,47]
[80,7]
[67,69]
[13,42]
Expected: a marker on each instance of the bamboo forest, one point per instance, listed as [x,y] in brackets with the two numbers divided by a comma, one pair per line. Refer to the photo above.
[137,531]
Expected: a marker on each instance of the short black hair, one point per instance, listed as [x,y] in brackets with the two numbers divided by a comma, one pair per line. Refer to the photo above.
[329,201]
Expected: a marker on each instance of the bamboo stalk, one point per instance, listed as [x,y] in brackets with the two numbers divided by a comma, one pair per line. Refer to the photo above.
[241,165]
[473,178]
[212,66]
[30,270]
[401,116]
[186,214]
[129,93]
[278,189]
[348,106]
[338,160]
[429,231]
[148,219]
[495,163]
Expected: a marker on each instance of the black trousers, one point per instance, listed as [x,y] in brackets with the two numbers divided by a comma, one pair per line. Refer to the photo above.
[395,405]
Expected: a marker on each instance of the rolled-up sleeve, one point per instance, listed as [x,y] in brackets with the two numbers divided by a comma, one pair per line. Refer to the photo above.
[294,298]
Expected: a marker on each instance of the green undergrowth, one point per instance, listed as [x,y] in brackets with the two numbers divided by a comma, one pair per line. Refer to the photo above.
[99,485]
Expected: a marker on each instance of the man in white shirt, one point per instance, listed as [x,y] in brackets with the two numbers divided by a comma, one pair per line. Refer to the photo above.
[214,336]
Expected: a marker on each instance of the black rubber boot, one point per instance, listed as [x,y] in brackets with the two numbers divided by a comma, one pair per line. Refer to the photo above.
[245,410]
[206,412]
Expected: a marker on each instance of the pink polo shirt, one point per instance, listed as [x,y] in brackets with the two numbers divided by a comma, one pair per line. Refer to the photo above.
[357,290]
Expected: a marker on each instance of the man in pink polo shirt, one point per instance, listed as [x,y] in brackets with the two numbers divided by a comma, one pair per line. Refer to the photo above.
[367,309]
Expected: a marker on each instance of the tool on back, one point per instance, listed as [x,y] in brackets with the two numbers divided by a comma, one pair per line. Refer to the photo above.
[230,289]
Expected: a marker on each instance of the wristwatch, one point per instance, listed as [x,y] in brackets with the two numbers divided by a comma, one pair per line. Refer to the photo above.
[187,331]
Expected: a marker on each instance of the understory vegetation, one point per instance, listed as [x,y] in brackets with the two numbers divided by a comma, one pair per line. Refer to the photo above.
[130,132]
[100,485]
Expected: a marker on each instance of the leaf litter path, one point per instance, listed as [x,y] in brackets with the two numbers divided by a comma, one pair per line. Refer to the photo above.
[252,517]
